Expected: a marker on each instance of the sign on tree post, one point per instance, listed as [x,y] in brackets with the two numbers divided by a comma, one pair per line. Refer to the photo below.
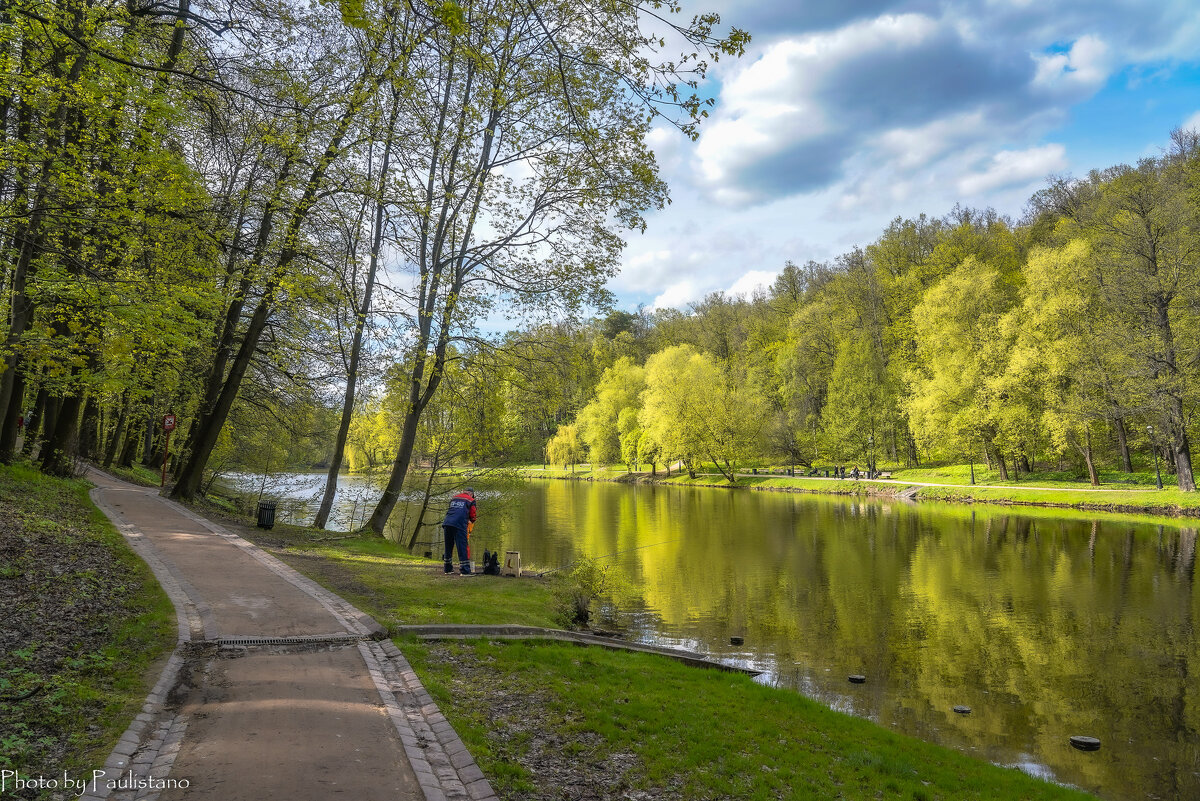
[168,425]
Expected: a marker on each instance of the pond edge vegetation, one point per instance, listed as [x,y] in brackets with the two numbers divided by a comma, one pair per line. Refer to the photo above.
[1163,503]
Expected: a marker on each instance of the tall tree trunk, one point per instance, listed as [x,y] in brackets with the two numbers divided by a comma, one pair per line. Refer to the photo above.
[148,440]
[89,429]
[343,432]
[1091,462]
[910,445]
[443,259]
[408,438]
[1182,457]
[208,428]
[1181,454]
[110,452]
[132,443]
[34,423]
[225,337]
[1123,445]
[28,241]
[53,405]
[1000,462]
[8,433]
[60,447]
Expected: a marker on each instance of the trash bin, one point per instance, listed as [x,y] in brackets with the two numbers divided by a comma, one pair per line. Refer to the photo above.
[266,514]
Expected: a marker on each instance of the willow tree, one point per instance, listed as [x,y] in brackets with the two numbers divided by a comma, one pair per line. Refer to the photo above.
[955,405]
[530,120]
[618,391]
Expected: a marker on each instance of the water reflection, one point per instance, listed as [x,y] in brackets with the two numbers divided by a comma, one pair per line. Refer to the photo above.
[1046,625]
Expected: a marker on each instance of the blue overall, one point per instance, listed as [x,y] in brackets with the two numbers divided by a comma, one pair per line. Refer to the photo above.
[460,513]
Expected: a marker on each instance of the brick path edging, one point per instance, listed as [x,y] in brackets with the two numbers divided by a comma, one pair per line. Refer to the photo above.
[149,745]
[445,770]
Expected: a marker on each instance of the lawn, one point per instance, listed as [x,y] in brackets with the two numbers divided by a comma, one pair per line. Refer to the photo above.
[397,588]
[1119,492]
[552,720]
[84,625]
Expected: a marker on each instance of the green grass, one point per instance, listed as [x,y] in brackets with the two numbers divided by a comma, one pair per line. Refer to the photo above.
[138,474]
[397,588]
[961,474]
[701,733]
[85,624]
[1165,501]
[580,471]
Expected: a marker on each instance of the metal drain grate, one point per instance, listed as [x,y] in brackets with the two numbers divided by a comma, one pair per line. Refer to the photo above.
[300,639]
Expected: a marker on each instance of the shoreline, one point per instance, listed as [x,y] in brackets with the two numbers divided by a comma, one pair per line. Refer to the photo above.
[1077,498]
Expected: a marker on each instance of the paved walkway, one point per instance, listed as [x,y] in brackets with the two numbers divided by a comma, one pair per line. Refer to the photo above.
[277,689]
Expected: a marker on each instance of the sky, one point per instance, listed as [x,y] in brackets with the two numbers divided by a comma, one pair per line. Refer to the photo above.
[845,114]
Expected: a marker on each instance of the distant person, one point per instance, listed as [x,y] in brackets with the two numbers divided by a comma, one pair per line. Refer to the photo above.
[460,518]
[20,425]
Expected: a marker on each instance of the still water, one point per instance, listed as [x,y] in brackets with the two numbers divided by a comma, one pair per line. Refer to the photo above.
[1046,625]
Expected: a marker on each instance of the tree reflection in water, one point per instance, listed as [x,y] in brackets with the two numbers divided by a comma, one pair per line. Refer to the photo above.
[1046,624]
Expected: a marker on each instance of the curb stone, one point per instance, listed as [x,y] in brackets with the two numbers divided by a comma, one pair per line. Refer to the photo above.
[443,767]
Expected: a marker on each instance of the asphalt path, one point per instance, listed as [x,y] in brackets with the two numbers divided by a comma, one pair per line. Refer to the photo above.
[278,689]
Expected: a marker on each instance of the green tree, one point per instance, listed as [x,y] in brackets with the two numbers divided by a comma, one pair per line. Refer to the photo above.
[1145,235]
[693,409]
[534,120]
[954,405]
[566,447]
[619,390]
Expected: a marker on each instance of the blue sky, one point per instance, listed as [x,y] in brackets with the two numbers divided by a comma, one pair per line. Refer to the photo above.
[845,114]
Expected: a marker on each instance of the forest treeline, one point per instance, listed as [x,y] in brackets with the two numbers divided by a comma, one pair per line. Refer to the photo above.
[236,213]
[1070,337]
[286,225]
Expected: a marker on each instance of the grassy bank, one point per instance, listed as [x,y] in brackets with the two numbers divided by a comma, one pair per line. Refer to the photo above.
[640,726]
[396,588]
[84,625]
[548,721]
[1118,492]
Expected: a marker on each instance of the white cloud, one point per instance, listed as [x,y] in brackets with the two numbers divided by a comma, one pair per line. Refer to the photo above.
[751,281]
[1078,72]
[843,116]
[668,146]
[1009,167]
[647,270]
[912,148]
[678,295]
[790,120]
[1192,123]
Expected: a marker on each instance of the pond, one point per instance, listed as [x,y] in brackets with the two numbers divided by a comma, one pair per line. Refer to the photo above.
[1045,624]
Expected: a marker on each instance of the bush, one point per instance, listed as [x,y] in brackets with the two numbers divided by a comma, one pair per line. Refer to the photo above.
[576,590]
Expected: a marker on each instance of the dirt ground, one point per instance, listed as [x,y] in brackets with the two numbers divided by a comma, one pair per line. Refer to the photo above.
[524,734]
